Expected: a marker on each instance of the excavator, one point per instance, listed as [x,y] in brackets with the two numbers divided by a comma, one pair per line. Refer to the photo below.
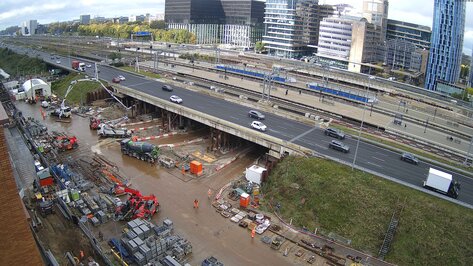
[137,205]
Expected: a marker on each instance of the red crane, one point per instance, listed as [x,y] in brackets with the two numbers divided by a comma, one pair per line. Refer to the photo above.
[137,205]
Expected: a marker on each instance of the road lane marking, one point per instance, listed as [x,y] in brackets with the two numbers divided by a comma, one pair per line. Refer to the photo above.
[142,83]
[322,147]
[377,165]
[303,134]
[378,159]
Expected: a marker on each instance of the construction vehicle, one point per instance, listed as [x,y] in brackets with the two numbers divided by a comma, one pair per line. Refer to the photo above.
[63,143]
[45,207]
[140,150]
[137,205]
[107,131]
[442,182]
[94,122]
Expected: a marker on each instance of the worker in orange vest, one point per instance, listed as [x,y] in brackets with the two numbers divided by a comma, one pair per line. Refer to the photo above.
[253,232]
[196,204]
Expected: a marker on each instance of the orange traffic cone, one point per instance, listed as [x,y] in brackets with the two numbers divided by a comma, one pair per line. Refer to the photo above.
[253,232]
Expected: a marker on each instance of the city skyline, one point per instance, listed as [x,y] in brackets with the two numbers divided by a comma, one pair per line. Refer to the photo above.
[14,13]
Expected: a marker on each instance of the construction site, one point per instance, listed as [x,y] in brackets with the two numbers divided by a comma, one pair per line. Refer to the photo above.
[146,190]
[117,180]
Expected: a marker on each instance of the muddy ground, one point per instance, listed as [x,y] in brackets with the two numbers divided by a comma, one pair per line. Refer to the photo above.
[209,233]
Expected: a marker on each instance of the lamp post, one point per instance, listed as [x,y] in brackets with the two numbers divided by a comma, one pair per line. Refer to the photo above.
[362,122]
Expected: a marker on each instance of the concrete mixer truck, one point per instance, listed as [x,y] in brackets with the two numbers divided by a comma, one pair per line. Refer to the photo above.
[140,150]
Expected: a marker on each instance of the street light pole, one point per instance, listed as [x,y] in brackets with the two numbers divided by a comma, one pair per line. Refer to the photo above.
[426,123]
[361,125]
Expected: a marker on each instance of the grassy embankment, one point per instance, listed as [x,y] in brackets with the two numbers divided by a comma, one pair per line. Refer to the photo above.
[78,92]
[15,64]
[359,206]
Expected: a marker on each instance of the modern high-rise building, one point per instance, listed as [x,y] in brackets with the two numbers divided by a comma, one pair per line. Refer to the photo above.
[290,27]
[29,27]
[233,22]
[403,55]
[446,42]
[471,69]
[84,19]
[414,33]
[347,42]
[376,12]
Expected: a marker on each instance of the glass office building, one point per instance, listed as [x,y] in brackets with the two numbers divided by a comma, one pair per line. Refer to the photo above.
[290,26]
[446,42]
[414,33]
[233,22]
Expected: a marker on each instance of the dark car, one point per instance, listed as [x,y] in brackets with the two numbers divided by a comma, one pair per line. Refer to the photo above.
[336,133]
[256,114]
[116,80]
[339,146]
[408,157]
[167,88]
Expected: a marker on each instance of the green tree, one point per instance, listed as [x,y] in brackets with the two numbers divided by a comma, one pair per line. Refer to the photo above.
[157,24]
[259,46]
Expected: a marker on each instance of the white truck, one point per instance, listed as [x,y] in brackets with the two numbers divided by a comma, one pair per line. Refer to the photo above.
[442,182]
[107,131]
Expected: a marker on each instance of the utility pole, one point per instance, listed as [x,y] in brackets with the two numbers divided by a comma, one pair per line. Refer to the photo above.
[362,122]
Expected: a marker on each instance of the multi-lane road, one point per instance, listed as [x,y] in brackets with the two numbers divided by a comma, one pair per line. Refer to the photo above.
[371,157]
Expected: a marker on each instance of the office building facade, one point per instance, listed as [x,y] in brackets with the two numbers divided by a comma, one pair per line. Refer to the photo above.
[403,55]
[84,19]
[232,22]
[290,26]
[29,27]
[347,42]
[446,42]
[376,12]
[414,33]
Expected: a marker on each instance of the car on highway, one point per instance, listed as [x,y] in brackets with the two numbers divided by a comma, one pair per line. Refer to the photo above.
[258,126]
[116,80]
[88,66]
[339,146]
[410,158]
[256,114]
[333,132]
[167,88]
[122,78]
[175,99]
[58,61]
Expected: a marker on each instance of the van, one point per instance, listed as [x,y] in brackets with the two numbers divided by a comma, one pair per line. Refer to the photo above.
[167,88]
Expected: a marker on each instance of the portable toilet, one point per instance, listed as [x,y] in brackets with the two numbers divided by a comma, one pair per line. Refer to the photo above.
[244,200]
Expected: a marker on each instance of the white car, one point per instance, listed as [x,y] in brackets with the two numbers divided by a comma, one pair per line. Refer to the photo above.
[258,125]
[121,77]
[58,61]
[89,66]
[175,99]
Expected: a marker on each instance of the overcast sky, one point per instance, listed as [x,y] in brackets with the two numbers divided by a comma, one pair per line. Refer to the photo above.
[14,12]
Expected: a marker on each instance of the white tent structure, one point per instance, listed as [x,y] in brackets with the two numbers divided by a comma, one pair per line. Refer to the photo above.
[32,88]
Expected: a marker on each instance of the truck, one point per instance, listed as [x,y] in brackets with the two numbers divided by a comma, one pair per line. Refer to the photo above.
[63,111]
[107,131]
[442,182]
[140,150]
[80,66]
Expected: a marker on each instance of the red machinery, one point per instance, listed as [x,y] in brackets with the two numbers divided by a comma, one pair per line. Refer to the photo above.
[94,122]
[64,143]
[137,205]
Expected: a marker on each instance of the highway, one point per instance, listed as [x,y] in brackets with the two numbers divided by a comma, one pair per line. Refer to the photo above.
[371,157]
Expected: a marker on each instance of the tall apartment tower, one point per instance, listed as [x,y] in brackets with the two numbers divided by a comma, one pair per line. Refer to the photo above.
[446,42]
[471,69]
[376,12]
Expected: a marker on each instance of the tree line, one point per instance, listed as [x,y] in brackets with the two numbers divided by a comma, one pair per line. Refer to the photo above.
[125,30]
